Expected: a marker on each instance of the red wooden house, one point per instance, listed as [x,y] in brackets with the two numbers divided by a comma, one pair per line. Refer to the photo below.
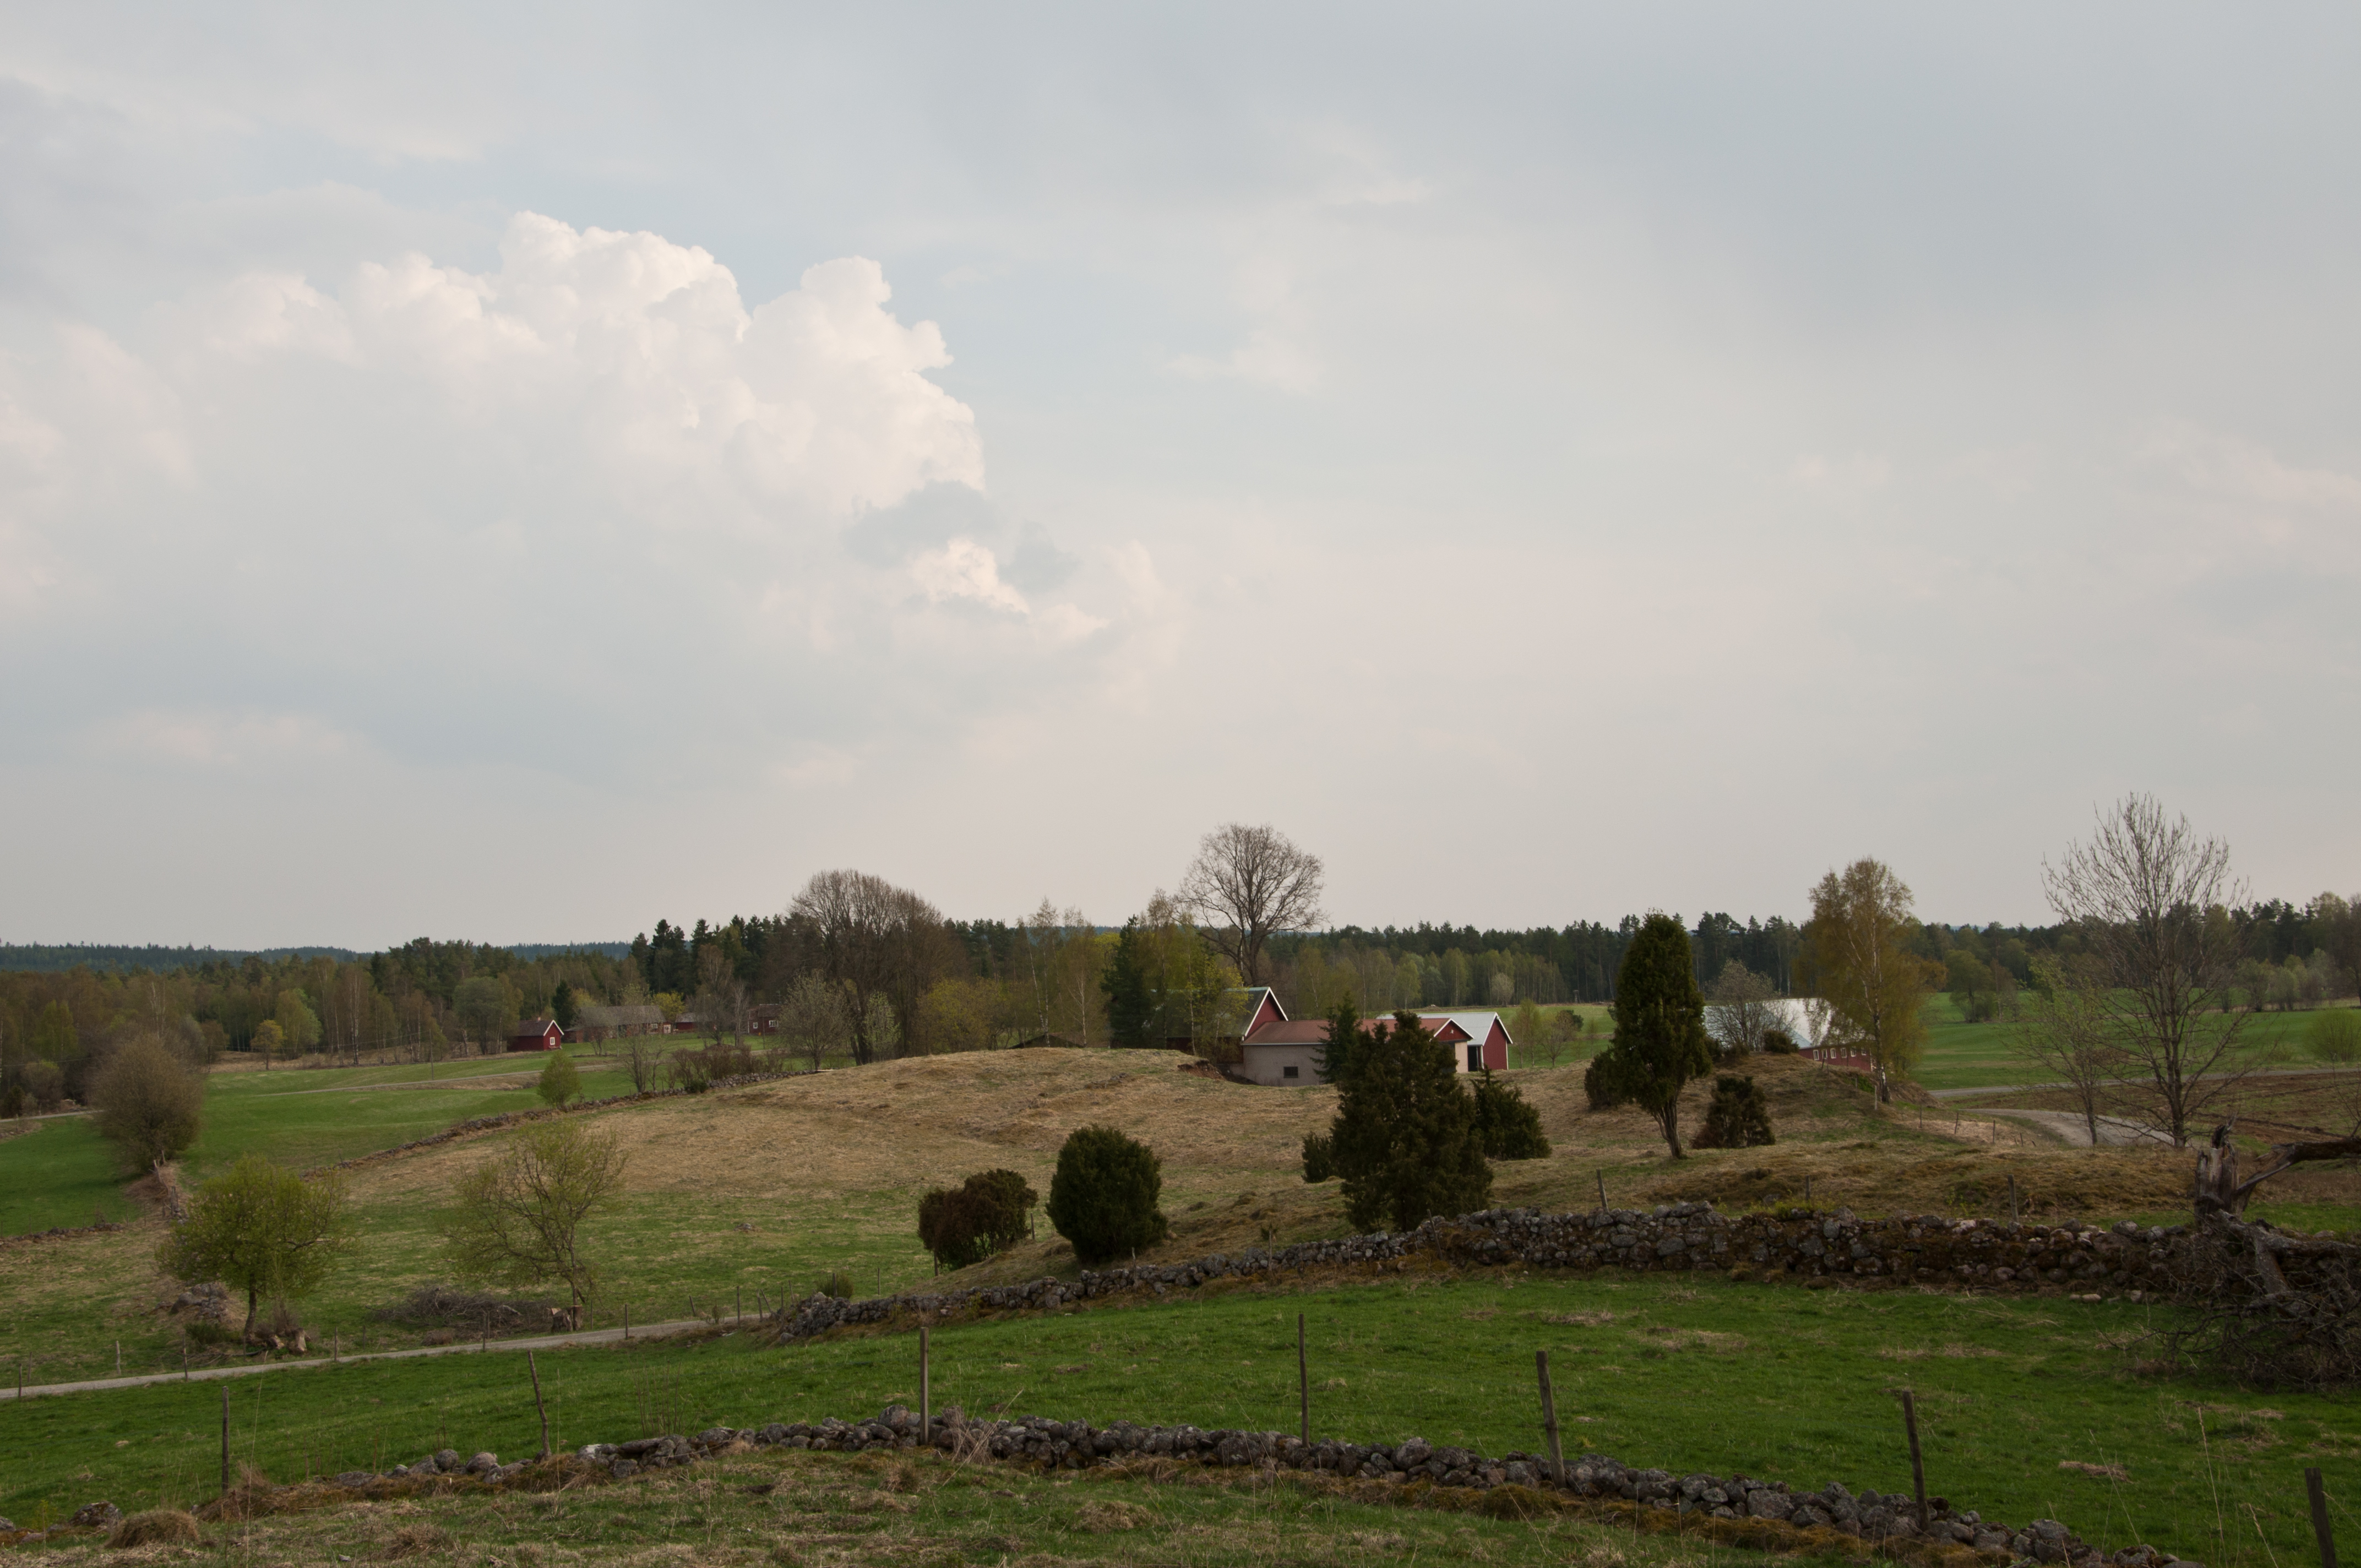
[536,1034]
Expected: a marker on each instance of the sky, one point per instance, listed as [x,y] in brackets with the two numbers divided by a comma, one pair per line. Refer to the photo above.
[519,472]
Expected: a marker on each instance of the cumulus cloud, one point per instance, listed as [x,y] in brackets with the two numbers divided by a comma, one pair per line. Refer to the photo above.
[646,351]
[963,569]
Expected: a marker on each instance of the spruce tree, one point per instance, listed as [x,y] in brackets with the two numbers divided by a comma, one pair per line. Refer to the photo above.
[1405,1138]
[1131,1005]
[1660,1039]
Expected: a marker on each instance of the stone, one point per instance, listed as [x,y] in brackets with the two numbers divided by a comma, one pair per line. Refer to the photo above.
[482,1463]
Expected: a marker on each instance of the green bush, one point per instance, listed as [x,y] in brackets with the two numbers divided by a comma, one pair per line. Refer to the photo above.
[1777,1042]
[1601,1086]
[836,1282]
[1103,1198]
[1737,1118]
[967,1223]
[559,1081]
[689,1073]
[1319,1158]
[1510,1128]
[2333,1034]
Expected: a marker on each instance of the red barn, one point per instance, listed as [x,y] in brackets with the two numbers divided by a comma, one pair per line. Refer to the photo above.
[536,1034]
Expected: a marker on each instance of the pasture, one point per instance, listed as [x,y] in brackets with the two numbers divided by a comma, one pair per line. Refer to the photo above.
[756,1192]
[2029,1408]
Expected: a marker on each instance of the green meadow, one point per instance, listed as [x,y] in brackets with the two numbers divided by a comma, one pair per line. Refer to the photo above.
[1687,1374]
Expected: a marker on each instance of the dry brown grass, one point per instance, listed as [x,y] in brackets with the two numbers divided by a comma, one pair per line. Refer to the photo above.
[157,1527]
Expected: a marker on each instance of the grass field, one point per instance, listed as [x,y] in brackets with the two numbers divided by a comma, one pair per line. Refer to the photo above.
[764,1190]
[779,1507]
[1687,1373]
[1960,1055]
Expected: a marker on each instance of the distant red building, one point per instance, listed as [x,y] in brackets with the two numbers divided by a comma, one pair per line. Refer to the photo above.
[536,1034]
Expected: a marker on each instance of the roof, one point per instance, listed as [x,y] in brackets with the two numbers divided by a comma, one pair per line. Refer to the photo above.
[533,1027]
[1477,1025]
[1315,1031]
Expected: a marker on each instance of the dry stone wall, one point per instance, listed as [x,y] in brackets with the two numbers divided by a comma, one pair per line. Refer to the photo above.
[1045,1443]
[1814,1247]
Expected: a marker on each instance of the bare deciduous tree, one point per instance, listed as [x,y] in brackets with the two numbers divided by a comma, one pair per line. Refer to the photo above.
[876,943]
[811,1017]
[1247,884]
[518,1216]
[2145,896]
[2061,1033]
[1743,1008]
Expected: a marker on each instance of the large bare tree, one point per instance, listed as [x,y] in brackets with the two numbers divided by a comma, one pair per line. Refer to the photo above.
[875,943]
[2147,900]
[1247,884]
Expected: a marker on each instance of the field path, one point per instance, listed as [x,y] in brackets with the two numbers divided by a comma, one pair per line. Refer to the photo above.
[2113,1131]
[254,1368]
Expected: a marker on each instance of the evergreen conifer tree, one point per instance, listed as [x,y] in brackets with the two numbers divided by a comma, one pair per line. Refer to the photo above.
[1660,1039]
[1739,1117]
[1343,1034]
[1131,1005]
[1405,1138]
[1510,1128]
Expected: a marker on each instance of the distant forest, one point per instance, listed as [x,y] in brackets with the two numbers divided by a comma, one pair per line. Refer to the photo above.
[936,985]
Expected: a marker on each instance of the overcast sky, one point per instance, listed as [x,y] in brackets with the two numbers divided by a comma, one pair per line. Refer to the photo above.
[518,472]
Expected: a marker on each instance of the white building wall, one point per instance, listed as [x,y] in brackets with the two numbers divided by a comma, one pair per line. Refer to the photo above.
[1269,1064]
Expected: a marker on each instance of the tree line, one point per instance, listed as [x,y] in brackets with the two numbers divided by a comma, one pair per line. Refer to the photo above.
[854,966]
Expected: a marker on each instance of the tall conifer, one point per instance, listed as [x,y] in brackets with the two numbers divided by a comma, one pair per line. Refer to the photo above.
[1131,1005]
[1405,1138]
[1660,1040]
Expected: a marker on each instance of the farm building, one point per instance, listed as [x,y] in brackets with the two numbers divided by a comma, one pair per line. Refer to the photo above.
[1285,1052]
[536,1034]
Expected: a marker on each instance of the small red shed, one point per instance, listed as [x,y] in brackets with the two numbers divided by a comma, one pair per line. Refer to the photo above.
[536,1034]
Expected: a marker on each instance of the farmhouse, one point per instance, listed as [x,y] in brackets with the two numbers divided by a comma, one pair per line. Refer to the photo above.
[1286,1052]
[536,1034]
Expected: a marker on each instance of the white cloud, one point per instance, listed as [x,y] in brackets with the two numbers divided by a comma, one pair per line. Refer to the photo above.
[639,354]
[964,569]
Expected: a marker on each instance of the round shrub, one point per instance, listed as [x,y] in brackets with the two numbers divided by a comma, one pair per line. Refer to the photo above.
[969,1223]
[1103,1198]
[1319,1158]
[2335,1034]
[1737,1118]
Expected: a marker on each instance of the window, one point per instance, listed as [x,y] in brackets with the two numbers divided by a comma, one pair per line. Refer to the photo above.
[1288,1071]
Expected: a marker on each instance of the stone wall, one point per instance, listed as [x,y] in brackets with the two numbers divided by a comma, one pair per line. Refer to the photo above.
[1772,1508]
[1814,1248]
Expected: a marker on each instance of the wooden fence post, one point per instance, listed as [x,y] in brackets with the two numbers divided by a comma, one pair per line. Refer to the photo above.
[1549,1419]
[539,1408]
[1303,1383]
[741,1305]
[1601,1175]
[1918,1467]
[2012,1198]
[926,1391]
[2319,1495]
[627,1320]
[224,1437]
